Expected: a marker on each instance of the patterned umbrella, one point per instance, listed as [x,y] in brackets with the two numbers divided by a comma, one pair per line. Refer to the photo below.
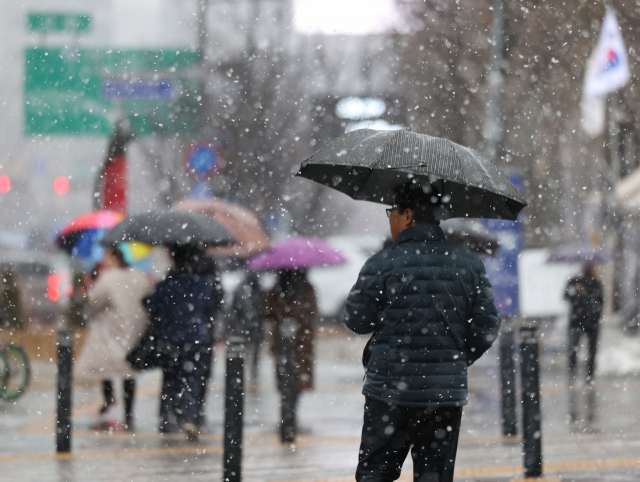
[79,235]
[81,238]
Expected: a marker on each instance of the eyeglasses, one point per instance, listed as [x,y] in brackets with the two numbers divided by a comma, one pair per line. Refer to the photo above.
[390,210]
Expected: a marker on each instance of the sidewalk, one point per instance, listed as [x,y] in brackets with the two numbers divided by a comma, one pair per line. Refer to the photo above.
[330,421]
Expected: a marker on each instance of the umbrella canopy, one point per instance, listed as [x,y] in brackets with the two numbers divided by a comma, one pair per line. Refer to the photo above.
[300,252]
[134,251]
[242,223]
[576,254]
[169,228]
[371,165]
[470,235]
[86,230]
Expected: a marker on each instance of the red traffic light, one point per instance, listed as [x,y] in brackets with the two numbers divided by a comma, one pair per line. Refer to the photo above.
[61,185]
[5,184]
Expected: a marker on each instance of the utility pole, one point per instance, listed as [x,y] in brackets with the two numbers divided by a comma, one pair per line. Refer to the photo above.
[492,131]
[493,134]
[203,121]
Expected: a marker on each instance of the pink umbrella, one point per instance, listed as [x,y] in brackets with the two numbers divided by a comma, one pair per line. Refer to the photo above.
[242,223]
[297,253]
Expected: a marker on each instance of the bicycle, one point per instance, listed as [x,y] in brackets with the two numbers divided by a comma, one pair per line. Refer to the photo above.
[15,372]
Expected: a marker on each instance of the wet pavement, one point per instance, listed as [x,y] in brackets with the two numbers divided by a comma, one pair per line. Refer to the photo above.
[329,425]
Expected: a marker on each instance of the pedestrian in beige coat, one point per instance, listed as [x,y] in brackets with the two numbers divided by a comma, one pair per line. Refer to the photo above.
[118,323]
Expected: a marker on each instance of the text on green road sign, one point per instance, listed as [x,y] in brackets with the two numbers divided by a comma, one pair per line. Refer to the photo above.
[48,22]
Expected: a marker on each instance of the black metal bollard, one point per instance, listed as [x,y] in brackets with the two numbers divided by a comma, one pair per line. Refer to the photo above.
[65,380]
[508,382]
[233,410]
[531,418]
[288,379]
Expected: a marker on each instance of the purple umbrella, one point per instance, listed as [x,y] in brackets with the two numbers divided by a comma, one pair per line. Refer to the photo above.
[576,254]
[297,253]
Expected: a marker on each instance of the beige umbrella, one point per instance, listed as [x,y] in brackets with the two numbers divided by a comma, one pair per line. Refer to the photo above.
[242,223]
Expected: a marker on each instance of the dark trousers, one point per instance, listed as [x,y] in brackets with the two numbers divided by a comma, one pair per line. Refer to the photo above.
[389,432]
[128,395]
[575,334]
[183,368]
[253,357]
[207,369]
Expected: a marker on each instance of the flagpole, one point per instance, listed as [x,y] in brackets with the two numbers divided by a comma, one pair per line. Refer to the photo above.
[609,235]
[607,71]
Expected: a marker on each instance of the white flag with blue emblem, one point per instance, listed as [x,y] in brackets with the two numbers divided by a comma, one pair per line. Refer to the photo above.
[607,71]
[608,68]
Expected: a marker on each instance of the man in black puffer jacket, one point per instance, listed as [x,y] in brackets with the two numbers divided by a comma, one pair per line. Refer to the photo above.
[429,305]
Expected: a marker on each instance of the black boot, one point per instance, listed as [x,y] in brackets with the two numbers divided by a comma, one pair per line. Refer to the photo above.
[107,390]
[129,394]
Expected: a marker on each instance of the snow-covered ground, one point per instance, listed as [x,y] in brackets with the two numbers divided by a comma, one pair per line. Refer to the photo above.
[618,353]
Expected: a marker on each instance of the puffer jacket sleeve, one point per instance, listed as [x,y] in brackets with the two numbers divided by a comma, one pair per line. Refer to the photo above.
[482,328]
[152,303]
[365,299]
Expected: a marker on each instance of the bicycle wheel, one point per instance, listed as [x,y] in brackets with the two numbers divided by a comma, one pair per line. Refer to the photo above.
[19,373]
[4,371]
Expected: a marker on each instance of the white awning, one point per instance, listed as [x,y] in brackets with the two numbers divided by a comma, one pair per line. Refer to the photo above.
[627,191]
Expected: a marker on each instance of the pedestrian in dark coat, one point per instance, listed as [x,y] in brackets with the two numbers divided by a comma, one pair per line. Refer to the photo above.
[182,307]
[429,306]
[294,297]
[584,293]
[208,269]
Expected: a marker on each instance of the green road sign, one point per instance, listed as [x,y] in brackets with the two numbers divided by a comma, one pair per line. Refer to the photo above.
[58,22]
[84,91]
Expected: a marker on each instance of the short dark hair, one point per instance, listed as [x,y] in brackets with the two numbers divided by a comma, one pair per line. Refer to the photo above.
[186,257]
[422,202]
[119,255]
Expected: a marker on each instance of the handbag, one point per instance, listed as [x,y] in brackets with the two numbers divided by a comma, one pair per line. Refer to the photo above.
[145,354]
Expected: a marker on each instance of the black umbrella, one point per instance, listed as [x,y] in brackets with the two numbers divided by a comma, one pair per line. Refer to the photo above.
[371,165]
[471,235]
[169,228]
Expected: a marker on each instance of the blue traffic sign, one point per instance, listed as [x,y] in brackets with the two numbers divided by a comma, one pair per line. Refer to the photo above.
[203,160]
